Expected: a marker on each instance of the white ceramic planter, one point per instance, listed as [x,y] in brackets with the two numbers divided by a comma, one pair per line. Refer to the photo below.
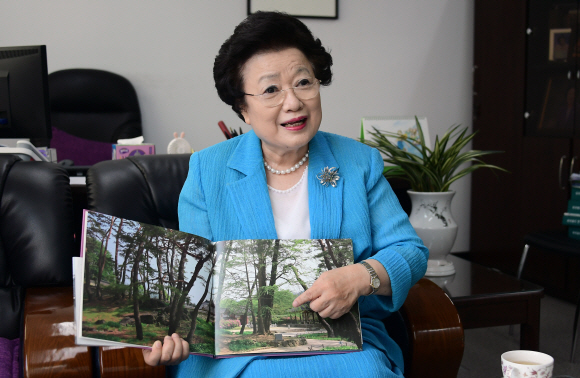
[432,220]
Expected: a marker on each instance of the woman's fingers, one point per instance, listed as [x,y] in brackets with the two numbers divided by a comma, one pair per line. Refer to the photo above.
[335,291]
[185,350]
[178,347]
[172,352]
[330,309]
[167,351]
[308,296]
[153,356]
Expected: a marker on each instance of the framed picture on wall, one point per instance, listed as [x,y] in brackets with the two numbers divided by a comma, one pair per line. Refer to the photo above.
[559,44]
[404,127]
[297,8]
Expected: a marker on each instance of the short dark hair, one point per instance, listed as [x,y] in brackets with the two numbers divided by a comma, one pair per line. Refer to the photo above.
[260,32]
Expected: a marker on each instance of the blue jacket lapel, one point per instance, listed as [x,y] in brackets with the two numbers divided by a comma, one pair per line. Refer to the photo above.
[325,202]
[249,195]
[251,201]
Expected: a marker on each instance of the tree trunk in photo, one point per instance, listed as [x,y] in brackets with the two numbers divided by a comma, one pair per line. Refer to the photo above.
[248,302]
[124,273]
[329,258]
[103,258]
[249,298]
[331,253]
[208,318]
[146,284]
[327,263]
[169,263]
[268,298]
[325,324]
[254,325]
[135,285]
[123,270]
[176,299]
[261,249]
[196,311]
[119,232]
[222,274]
[177,309]
[161,288]
[88,279]
[358,335]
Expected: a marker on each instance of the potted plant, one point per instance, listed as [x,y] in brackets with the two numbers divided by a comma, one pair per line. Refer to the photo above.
[430,173]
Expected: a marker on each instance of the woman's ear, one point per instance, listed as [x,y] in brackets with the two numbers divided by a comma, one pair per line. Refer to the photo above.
[246,116]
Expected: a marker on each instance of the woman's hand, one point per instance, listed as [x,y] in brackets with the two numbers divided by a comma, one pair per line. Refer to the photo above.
[173,351]
[334,293]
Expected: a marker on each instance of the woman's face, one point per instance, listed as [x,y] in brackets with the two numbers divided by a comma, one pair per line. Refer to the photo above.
[288,127]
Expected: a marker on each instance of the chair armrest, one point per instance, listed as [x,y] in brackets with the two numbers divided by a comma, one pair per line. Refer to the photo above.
[48,342]
[435,332]
[49,349]
[126,363]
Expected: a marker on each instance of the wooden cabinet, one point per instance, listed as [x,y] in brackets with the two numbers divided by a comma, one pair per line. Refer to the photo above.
[553,72]
[526,103]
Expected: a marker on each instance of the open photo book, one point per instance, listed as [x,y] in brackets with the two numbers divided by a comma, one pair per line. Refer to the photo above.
[136,283]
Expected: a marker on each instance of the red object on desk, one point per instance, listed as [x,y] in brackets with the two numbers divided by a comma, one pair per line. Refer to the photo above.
[225,130]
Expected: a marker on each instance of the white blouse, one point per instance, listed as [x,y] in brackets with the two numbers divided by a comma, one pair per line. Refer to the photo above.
[290,209]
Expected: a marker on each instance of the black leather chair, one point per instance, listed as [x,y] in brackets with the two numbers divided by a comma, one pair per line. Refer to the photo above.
[89,105]
[36,234]
[36,243]
[36,298]
[146,189]
[143,188]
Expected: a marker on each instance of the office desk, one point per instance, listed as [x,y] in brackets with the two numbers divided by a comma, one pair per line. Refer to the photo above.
[485,297]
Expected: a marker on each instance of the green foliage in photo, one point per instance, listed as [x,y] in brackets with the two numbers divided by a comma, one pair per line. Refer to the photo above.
[245,344]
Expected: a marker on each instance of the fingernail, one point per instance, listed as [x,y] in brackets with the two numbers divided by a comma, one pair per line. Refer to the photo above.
[157,344]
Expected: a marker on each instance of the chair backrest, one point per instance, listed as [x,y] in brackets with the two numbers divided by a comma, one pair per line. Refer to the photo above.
[89,105]
[139,188]
[36,233]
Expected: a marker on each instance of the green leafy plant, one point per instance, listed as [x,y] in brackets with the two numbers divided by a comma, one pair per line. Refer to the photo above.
[434,170]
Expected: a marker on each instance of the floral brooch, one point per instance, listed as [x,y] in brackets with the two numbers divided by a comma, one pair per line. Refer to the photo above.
[329,176]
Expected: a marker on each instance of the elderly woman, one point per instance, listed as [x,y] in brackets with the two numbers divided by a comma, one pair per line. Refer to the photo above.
[285,179]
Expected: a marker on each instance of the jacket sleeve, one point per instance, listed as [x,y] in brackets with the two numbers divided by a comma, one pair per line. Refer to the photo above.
[192,210]
[395,243]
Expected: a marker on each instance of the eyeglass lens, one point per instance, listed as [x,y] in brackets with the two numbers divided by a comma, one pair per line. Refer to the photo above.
[302,93]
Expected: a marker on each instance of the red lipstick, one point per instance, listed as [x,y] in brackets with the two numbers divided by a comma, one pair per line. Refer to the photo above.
[294,124]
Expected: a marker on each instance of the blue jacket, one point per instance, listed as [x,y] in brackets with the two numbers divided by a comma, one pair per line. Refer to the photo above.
[225,197]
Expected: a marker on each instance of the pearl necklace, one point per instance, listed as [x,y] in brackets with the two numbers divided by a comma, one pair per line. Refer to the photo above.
[290,170]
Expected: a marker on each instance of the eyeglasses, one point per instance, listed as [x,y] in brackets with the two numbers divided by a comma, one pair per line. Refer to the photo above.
[274,96]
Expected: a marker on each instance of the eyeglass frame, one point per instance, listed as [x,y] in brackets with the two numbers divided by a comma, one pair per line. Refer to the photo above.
[316,82]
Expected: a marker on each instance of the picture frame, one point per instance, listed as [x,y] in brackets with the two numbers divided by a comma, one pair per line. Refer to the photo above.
[326,9]
[405,126]
[559,45]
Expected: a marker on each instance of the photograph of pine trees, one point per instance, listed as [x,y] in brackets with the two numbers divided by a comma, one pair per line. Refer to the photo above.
[143,282]
[256,282]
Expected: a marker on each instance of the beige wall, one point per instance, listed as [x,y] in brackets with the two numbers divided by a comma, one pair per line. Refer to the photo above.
[392,57]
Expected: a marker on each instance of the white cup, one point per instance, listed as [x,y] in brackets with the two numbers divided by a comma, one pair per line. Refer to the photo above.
[526,363]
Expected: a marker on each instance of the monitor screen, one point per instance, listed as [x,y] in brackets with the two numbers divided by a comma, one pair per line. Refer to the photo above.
[24,102]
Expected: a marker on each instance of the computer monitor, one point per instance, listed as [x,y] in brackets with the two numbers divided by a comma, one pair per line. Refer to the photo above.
[24,101]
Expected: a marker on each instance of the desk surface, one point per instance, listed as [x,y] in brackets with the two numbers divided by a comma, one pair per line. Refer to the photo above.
[474,280]
[486,297]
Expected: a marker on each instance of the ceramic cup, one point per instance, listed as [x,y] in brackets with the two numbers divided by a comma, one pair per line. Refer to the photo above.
[526,363]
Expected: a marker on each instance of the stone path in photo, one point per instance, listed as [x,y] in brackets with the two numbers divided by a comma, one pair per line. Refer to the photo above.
[314,343]
[295,331]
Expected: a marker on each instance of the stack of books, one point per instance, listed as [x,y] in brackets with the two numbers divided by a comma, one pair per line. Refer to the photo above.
[572,214]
